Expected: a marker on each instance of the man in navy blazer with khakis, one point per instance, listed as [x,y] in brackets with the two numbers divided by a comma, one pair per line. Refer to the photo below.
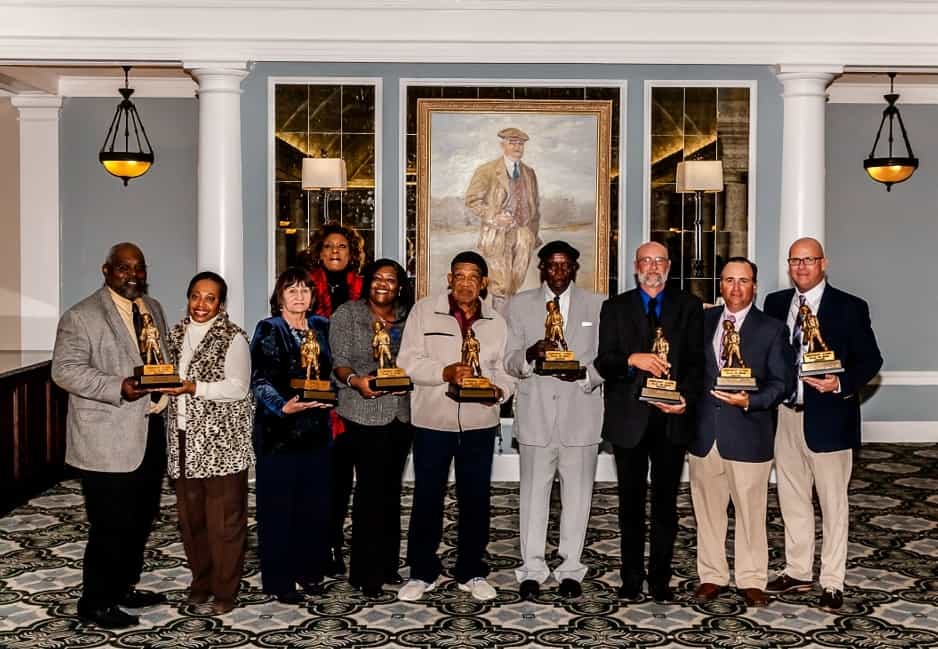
[819,426]
[731,454]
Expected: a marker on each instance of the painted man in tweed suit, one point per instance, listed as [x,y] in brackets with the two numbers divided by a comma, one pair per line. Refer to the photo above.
[503,194]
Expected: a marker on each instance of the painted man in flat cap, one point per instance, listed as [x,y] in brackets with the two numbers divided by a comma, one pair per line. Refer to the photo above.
[503,194]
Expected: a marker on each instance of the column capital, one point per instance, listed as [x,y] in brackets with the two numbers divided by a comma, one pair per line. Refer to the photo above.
[806,80]
[37,106]
[218,76]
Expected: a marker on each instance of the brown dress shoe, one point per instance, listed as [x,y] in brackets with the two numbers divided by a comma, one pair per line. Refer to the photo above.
[755,597]
[783,584]
[707,591]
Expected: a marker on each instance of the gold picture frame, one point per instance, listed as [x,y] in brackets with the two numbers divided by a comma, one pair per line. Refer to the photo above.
[567,157]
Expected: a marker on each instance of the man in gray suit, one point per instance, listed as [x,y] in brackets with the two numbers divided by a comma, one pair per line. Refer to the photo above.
[558,418]
[115,436]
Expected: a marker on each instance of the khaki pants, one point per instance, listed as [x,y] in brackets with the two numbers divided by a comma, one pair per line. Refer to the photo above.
[715,481]
[798,468]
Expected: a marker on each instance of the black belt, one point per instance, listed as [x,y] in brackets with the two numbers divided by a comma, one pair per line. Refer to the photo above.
[797,407]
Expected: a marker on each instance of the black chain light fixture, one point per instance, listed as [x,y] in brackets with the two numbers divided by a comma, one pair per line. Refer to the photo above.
[126,125]
[891,169]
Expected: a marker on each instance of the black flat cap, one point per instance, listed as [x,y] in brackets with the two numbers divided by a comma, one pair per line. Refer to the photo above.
[555,247]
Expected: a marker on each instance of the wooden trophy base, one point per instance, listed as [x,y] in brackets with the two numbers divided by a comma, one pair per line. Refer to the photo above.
[314,390]
[735,379]
[660,391]
[475,390]
[391,379]
[818,363]
[157,376]
[558,362]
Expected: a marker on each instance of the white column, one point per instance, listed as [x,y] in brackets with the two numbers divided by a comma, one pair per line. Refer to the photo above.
[804,170]
[220,226]
[39,218]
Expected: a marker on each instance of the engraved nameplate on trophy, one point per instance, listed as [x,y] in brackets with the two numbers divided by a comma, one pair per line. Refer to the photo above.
[476,388]
[818,358]
[154,373]
[312,388]
[557,361]
[662,390]
[735,375]
[389,377]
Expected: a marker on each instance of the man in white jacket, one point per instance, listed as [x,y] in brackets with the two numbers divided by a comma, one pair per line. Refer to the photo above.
[445,430]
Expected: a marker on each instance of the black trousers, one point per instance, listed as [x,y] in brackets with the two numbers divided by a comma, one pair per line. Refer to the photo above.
[343,465]
[121,508]
[293,500]
[434,451]
[379,454]
[667,462]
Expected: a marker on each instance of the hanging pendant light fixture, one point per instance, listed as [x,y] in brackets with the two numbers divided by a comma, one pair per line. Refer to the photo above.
[124,162]
[891,169]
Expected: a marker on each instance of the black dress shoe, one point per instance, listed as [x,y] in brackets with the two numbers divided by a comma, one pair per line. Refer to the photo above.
[661,592]
[832,599]
[108,617]
[335,566]
[570,588]
[373,592]
[292,598]
[312,588]
[393,579]
[142,598]
[629,591]
[529,589]
[784,584]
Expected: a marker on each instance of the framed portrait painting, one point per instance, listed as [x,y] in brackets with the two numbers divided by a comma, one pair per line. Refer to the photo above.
[503,177]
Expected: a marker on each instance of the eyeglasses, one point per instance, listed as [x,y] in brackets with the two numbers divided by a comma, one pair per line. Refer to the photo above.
[803,261]
[648,261]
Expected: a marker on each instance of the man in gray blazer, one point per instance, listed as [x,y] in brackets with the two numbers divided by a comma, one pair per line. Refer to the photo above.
[558,419]
[114,435]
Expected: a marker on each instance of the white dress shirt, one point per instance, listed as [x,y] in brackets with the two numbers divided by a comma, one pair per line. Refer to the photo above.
[718,336]
[237,381]
[813,299]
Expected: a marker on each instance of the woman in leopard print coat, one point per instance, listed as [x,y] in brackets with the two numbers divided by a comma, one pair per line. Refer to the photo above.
[209,447]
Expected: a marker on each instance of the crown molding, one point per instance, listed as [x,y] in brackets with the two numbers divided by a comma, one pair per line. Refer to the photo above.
[753,32]
[162,87]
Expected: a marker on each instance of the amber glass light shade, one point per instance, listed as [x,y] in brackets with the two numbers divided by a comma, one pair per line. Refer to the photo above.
[122,166]
[890,171]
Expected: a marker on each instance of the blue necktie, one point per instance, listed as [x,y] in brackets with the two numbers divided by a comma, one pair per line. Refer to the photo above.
[796,340]
[515,172]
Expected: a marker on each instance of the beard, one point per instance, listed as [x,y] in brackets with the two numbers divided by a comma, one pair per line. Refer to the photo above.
[652,279]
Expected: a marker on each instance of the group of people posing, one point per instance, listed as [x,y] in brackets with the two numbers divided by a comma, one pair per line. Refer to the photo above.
[235,409]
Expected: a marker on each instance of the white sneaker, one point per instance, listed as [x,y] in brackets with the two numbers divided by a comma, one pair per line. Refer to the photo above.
[414,590]
[479,588]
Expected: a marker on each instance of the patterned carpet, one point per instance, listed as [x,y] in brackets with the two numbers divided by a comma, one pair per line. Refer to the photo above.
[891,596]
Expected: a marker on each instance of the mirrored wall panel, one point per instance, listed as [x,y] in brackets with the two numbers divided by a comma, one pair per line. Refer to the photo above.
[700,123]
[316,120]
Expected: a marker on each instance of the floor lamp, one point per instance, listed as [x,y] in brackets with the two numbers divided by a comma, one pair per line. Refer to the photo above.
[696,177]
[327,174]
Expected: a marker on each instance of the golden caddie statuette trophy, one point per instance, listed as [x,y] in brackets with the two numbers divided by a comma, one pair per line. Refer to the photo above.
[734,374]
[312,388]
[154,373]
[477,388]
[390,377]
[557,361]
[818,357]
[662,390]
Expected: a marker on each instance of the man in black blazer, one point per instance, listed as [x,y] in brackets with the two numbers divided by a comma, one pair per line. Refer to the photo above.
[640,432]
[731,454]
[819,426]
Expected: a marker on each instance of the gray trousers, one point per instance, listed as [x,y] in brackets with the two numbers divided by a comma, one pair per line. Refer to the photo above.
[576,466]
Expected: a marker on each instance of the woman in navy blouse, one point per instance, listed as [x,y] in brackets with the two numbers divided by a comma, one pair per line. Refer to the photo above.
[292,441]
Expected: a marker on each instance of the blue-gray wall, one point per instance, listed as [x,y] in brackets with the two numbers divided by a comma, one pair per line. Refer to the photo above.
[254,141]
[883,246]
[157,211]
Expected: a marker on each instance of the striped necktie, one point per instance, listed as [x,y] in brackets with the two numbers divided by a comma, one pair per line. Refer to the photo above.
[796,331]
